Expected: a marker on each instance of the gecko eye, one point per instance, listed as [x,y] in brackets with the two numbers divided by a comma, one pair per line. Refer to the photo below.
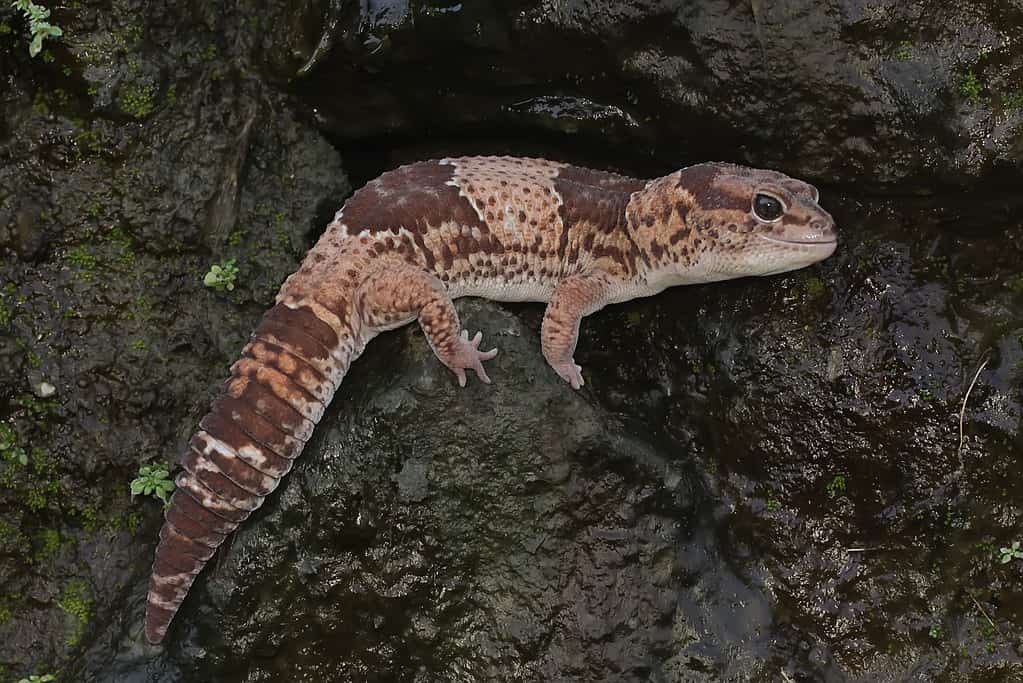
[767,208]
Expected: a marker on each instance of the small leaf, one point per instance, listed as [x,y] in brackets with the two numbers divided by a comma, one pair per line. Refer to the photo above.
[1006,558]
[136,487]
[36,45]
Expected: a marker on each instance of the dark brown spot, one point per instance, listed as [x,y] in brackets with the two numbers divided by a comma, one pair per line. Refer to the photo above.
[174,543]
[184,504]
[275,410]
[411,197]
[303,320]
[235,469]
[195,529]
[199,491]
[678,235]
[221,427]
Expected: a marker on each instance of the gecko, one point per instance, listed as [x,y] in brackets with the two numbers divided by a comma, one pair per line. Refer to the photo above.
[415,238]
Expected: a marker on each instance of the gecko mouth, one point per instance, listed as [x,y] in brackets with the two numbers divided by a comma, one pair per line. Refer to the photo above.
[809,243]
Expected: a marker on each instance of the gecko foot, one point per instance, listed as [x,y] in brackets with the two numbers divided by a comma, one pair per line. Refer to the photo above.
[570,372]
[469,357]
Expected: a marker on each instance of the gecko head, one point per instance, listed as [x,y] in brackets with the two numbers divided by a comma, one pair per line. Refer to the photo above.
[745,221]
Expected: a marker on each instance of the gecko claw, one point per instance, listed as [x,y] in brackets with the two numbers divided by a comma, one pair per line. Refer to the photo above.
[571,373]
[469,357]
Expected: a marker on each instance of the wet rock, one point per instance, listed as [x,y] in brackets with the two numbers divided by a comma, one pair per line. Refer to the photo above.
[763,480]
[847,92]
[536,535]
[136,152]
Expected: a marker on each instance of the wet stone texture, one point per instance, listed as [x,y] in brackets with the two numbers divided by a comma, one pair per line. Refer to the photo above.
[899,95]
[762,480]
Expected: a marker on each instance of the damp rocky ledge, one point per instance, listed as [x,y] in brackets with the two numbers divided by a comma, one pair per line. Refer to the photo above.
[762,480]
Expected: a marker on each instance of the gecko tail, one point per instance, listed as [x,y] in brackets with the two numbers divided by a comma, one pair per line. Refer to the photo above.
[278,391]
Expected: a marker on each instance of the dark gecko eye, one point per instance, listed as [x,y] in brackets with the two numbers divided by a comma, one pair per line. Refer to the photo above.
[767,208]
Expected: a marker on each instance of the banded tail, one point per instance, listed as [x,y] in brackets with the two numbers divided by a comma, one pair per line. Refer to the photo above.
[277,392]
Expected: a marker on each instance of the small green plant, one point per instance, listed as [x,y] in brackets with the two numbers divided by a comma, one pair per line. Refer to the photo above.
[904,53]
[37,24]
[935,631]
[773,505]
[152,481]
[138,344]
[35,678]
[1013,101]
[836,485]
[1013,552]
[970,87]
[9,448]
[221,276]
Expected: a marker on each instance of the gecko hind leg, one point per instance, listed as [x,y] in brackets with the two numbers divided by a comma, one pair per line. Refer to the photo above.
[404,292]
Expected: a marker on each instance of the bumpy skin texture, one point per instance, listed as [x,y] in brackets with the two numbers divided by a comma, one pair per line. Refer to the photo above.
[417,237]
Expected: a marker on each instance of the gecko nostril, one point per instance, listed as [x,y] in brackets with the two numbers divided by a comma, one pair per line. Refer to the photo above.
[818,224]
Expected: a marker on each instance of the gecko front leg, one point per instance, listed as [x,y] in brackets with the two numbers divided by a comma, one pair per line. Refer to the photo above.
[397,294]
[573,299]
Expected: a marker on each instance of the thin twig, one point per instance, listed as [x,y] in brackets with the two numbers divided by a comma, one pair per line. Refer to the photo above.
[984,612]
[786,676]
[962,409]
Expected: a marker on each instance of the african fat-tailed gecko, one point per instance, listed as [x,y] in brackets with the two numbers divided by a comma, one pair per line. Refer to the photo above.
[419,236]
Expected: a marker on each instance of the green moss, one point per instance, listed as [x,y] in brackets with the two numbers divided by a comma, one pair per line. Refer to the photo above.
[815,286]
[236,237]
[90,518]
[133,521]
[970,87]
[137,101]
[77,604]
[138,344]
[83,261]
[49,543]
[904,53]
[633,319]
[124,252]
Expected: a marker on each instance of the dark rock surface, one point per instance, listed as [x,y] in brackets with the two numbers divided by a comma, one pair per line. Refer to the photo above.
[902,96]
[762,480]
